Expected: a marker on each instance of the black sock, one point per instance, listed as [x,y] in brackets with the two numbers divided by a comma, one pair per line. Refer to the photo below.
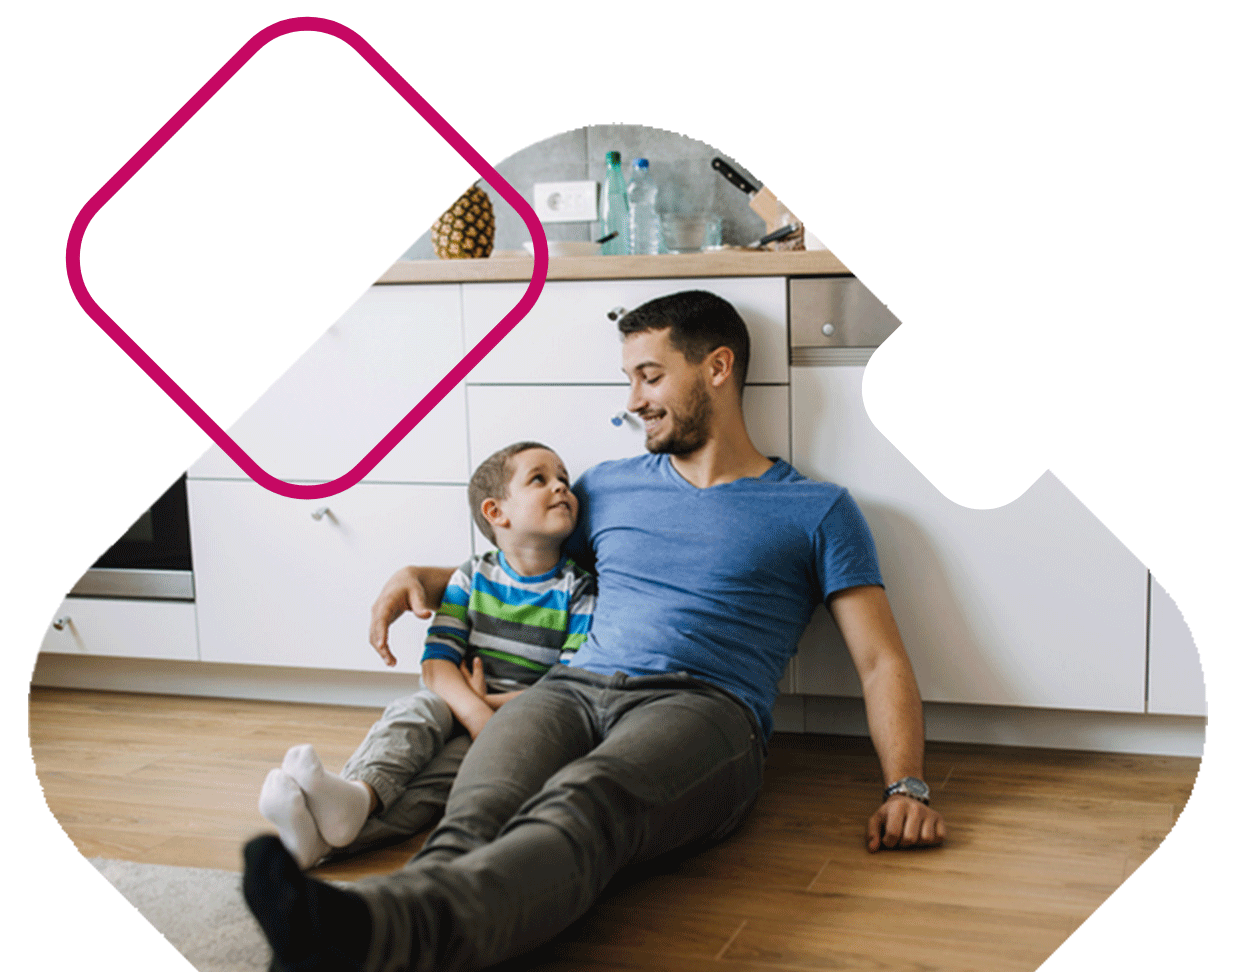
[310,925]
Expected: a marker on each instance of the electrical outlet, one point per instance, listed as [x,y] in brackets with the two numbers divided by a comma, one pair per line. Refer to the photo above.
[567,202]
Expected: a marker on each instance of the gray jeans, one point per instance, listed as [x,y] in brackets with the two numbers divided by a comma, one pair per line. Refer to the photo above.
[410,758]
[576,778]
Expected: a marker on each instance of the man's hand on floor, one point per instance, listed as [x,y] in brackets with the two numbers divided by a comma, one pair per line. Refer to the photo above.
[903,822]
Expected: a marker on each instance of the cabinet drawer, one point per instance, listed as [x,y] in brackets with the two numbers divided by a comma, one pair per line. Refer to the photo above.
[577,421]
[132,629]
[836,312]
[291,582]
[569,337]
[354,385]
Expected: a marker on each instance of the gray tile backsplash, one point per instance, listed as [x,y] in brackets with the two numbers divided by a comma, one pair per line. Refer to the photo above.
[681,167]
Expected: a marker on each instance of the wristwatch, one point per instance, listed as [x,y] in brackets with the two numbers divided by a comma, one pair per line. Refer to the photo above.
[909,786]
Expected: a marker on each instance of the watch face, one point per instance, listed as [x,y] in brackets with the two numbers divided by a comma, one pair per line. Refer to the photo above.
[910,786]
[916,787]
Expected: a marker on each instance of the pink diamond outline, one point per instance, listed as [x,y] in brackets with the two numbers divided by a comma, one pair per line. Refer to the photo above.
[539,272]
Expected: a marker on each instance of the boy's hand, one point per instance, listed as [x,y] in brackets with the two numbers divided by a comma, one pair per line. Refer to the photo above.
[475,678]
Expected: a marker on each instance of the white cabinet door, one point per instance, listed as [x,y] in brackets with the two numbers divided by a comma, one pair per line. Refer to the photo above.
[132,629]
[1174,675]
[1034,604]
[276,586]
[569,337]
[353,386]
[577,421]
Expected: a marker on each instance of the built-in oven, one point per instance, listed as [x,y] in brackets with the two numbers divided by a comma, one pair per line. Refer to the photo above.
[153,560]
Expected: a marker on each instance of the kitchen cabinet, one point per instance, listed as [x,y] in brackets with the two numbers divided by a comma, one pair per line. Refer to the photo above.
[556,378]
[354,385]
[570,335]
[1174,675]
[1033,604]
[123,628]
[291,582]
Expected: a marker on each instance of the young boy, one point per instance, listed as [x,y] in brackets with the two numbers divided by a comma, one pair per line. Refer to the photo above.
[512,613]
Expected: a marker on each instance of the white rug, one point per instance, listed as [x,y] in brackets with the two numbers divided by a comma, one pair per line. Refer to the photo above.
[201,912]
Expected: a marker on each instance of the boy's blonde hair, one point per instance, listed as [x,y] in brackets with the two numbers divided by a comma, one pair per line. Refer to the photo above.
[491,481]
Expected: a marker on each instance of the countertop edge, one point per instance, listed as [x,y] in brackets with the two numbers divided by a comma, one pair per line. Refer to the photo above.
[725,263]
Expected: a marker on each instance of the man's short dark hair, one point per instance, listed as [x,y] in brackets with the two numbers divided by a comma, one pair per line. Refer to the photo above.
[491,481]
[698,322]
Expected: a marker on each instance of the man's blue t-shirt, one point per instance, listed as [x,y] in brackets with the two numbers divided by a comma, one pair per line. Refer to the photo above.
[719,582]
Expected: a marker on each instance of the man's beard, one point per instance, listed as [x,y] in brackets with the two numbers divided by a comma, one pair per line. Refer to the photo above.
[691,425]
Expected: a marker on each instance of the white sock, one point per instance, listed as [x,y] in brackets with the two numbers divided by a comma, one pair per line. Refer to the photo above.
[339,806]
[282,803]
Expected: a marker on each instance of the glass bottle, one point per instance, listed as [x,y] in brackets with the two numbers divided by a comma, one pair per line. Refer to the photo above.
[614,208]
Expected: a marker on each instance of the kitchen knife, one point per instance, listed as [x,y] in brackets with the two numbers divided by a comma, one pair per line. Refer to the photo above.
[729,173]
[762,201]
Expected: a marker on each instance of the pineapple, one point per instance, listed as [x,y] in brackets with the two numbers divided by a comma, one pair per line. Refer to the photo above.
[466,229]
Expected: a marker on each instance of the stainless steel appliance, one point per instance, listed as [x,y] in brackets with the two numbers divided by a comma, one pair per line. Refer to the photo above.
[152,561]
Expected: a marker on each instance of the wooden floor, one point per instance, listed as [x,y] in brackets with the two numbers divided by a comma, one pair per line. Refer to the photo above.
[1037,838]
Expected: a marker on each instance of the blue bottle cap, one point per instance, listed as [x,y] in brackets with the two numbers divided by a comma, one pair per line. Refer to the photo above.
[641,164]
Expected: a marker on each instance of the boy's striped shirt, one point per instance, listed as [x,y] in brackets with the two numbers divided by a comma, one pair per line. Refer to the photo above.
[520,626]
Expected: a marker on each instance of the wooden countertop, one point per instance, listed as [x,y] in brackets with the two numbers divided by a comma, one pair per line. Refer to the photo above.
[721,263]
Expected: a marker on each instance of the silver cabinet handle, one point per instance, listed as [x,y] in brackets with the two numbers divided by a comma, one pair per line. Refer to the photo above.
[324,511]
[828,329]
[616,313]
[62,622]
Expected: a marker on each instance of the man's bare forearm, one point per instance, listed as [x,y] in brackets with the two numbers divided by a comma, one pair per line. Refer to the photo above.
[434,581]
[892,700]
[896,720]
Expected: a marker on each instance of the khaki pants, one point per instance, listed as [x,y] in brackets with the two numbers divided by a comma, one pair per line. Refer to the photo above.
[410,758]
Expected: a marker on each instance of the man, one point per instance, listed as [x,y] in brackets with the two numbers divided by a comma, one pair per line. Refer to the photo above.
[710,559]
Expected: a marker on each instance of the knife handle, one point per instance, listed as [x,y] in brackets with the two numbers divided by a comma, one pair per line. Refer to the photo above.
[778,234]
[729,173]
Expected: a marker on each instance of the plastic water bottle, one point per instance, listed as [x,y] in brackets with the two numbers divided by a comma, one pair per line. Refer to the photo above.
[643,219]
[614,208]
